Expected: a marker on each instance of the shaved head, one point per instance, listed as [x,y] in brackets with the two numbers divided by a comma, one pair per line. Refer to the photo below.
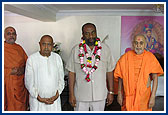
[10,35]
[139,43]
[140,36]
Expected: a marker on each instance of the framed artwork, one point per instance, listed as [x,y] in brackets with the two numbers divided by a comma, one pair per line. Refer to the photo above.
[152,27]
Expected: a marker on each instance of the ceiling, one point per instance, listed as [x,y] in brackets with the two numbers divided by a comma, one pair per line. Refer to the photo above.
[48,12]
[97,6]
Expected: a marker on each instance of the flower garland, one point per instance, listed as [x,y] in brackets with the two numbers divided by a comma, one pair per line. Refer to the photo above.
[96,54]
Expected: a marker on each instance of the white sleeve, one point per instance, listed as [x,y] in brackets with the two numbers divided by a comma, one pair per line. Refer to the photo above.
[30,79]
[110,60]
[61,82]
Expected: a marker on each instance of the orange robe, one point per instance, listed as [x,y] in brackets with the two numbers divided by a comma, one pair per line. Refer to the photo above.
[135,71]
[15,93]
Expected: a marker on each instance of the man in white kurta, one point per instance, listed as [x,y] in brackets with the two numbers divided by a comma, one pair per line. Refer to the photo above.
[44,77]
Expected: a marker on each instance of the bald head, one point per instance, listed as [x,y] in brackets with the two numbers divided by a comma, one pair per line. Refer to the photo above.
[139,43]
[46,45]
[10,35]
[140,36]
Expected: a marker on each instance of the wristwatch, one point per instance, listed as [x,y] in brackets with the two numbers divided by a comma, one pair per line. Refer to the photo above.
[111,92]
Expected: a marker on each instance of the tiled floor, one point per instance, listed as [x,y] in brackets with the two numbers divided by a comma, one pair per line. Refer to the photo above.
[159,105]
[159,102]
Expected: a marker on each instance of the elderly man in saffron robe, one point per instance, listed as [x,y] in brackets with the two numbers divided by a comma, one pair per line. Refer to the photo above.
[135,70]
[44,77]
[15,93]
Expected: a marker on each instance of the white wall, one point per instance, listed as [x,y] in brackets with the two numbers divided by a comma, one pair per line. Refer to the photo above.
[66,30]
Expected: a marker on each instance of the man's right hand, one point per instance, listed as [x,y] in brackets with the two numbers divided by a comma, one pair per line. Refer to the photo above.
[120,98]
[72,79]
[14,71]
[72,100]
[18,71]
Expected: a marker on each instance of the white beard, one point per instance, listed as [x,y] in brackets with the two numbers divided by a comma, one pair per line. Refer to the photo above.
[139,51]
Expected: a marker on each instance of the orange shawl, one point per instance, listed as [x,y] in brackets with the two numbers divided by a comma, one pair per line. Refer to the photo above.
[125,70]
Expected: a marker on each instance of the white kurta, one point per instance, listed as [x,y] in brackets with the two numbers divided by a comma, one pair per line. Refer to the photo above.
[43,77]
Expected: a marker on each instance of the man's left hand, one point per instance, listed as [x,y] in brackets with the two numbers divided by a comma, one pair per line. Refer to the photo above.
[52,99]
[151,102]
[20,71]
[110,98]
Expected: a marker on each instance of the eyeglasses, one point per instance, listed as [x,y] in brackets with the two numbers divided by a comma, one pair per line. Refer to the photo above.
[136,43]
[9,34]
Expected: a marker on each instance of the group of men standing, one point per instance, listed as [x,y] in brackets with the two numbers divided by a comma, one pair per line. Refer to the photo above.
[36,83]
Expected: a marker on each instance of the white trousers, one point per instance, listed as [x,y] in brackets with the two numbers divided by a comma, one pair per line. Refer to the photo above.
[92,105]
